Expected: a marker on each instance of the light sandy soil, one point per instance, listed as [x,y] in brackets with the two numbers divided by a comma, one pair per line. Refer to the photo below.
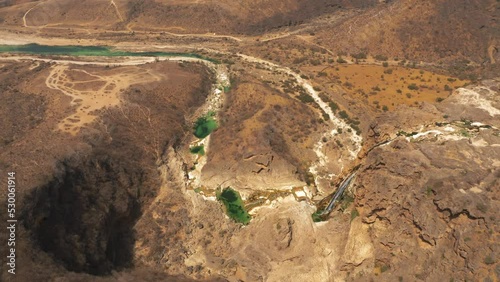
[93,93]
[93,90]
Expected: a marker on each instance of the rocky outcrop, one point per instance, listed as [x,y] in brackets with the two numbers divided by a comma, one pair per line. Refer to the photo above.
[432,203]
[262,143]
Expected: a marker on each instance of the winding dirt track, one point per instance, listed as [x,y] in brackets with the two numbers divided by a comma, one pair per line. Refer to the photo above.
[27,12]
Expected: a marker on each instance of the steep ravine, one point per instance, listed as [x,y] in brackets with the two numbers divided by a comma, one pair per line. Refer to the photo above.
[84,215]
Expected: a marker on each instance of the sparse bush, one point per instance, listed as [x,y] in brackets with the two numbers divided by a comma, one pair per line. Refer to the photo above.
[385,108]
[348,84]
[315,62]
[339,143]
[333,106]
[489,260]
[413,86]
[341,60]
[297,61]
[306,98]
[343,115]
[381,58]
[359,56]
[385,64]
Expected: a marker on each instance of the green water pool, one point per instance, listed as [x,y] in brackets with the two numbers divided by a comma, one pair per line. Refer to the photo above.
[205,125]
[104,51]
[200,150]
[234,205]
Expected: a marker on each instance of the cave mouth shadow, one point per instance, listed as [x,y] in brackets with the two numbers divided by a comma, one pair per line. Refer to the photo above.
[85,215]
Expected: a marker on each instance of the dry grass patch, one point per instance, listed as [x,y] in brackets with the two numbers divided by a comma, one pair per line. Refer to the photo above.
[387,87]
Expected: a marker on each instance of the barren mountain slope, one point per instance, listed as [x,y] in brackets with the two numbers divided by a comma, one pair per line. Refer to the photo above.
[431,198]
[420,30]
[81,195]
[178,16]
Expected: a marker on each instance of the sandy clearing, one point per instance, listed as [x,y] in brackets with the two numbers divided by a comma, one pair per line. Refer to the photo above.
[99,96]
[103,90]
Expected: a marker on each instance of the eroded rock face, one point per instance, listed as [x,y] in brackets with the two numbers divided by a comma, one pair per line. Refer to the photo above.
[480,103]
[432,203]
[431,197]
[264,141]
[359,247]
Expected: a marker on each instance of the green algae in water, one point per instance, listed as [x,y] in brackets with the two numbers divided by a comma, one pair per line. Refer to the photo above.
[234,205]
[317,217]
[200,150]
[91,51]
[205,125]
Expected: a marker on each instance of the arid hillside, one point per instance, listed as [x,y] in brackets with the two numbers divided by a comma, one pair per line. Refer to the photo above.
[207,16]
[438,31]
[82,193]
[420,30]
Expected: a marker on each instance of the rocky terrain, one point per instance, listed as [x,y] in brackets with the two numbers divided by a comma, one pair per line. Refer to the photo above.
[114,185]
[428,198]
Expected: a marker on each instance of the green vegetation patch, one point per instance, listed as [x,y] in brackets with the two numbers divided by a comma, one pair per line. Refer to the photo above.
[381,58]
[200,150]
[234,205]
[205,125]
[354,214]
[334,106]
[306,98]
[317,217]
[413,86]
[353,123]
